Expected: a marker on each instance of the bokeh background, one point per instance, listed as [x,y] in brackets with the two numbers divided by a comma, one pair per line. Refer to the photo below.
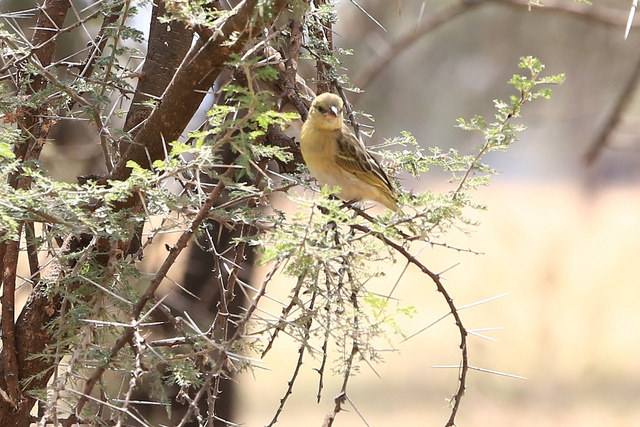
[561,236]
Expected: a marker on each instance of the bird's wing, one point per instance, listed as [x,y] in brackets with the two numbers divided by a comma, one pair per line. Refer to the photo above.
[354,158]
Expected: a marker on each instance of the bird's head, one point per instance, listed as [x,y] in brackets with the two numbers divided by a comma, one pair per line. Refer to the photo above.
[326,111]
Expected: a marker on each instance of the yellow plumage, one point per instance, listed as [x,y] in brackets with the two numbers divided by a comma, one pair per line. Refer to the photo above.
[336,158]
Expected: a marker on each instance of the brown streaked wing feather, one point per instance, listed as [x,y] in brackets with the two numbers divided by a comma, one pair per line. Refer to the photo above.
[353,158]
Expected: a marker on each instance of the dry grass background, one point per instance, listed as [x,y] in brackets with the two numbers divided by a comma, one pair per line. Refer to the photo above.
[569,261]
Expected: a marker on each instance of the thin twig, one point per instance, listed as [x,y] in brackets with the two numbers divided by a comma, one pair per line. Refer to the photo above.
[500,126]
[487,371]
[193,403]
[137,344]
[632,13]
[301,350]
[153,286]
[60,381]
[363,10]
[294,299]
[53,36]
[355,349]
[600,15]
[324,349]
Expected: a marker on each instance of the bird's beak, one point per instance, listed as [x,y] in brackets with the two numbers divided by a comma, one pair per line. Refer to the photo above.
[334,110]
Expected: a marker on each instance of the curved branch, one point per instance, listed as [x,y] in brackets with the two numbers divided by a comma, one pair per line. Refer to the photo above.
[464,365]
[373,70]
[623,102]
[600,15]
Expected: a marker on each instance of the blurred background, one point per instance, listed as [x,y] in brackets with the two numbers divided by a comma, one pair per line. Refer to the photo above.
[561,234]
[559,240]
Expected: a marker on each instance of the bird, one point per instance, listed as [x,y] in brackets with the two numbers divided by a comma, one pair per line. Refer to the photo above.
[336,158]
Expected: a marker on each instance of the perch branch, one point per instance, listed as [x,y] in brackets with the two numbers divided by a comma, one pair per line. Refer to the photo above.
[464,366]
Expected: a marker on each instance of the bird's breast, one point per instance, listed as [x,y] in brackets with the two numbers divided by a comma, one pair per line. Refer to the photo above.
[318,148]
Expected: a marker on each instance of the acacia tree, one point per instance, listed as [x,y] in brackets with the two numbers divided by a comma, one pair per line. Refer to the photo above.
[85,344]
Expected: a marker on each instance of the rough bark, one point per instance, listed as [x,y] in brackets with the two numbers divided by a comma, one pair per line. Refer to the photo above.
[168,44]
[25,338]
[194,78]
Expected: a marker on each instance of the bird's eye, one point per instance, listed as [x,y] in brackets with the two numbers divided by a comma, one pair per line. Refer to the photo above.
[321,109]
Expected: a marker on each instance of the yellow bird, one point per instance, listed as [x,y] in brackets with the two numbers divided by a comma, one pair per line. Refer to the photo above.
[335,157]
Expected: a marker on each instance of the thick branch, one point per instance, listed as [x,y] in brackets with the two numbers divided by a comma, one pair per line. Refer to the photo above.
[290,74]
[9,352]
[193,79]
[50,19]
[32,337]
[324,31]
[169,42]
[20,341]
